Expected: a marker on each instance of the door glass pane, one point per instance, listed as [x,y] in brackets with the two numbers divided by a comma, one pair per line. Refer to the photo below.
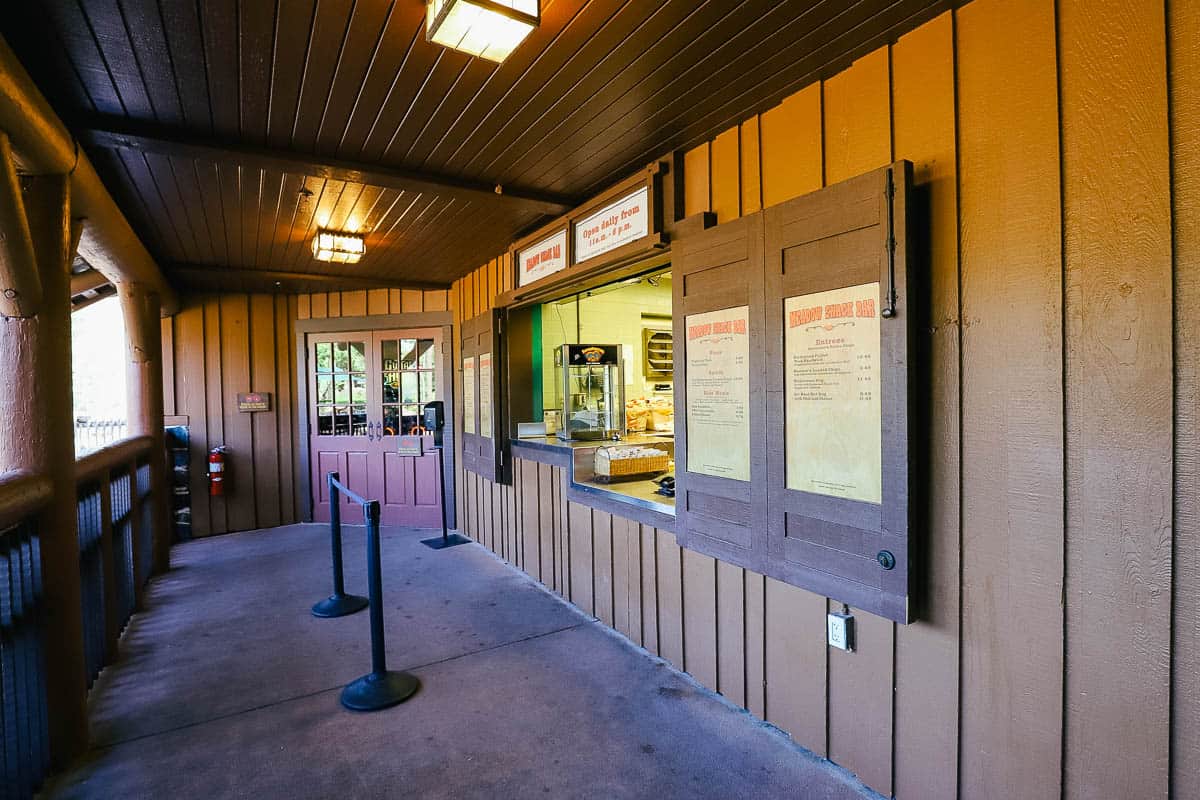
[425,354]
[325,421]
[358,357]
[390,355]
[412,417]
[324,388]
[408,387]
[341,421]
[358,420]
[391,387]
[428,390]
[358,388]
[341,357]
[391,421]
[408,353]
[341,389]
[324,357]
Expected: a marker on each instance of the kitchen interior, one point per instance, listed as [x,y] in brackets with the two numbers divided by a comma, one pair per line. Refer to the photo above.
[607,389]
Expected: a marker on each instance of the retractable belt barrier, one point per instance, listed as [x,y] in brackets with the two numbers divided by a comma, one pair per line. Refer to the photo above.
[380,688]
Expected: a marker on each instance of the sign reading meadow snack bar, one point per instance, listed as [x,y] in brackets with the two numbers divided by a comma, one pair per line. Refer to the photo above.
[544,258]
[625,221]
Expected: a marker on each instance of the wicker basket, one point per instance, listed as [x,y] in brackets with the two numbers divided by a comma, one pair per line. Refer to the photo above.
[608,467]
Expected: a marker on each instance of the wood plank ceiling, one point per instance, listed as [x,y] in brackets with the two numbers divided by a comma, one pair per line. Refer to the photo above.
[229,130]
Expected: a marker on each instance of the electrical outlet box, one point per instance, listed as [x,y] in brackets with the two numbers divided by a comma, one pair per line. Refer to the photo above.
[841,631]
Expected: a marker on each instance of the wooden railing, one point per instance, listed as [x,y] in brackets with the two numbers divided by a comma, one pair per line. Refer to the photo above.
[24,741]
[115,525]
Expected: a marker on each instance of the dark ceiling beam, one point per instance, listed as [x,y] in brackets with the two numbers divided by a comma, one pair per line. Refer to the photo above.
[218,277]
[114,135]
[86,281]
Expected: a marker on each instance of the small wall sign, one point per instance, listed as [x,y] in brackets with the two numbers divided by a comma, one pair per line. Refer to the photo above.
[544,258]
[413,446]
[254,401]
[626,220]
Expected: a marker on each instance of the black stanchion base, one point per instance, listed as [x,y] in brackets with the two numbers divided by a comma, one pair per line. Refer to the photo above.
[453,540]
[374,691]
[339,606]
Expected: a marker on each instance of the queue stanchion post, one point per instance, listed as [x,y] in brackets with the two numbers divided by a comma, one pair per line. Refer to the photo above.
[447,539]
[338,604]
[380,688]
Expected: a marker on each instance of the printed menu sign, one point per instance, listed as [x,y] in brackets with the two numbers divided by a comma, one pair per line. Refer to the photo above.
[831,394]
[624,221]
[469,394]
[544,258]
[718,393]
[485,395]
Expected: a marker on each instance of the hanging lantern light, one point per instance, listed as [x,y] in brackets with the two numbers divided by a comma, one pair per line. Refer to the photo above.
[489,29]
[338,247]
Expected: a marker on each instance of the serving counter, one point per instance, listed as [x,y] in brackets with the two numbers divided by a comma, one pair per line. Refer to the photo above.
[635,499]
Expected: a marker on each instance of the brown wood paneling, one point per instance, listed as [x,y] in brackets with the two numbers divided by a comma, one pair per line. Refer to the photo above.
[602,565]
[795,663]
[190,373]
[927,651]
[730,646]
[857,125]
[1184,72]
[750,166]
[1118,383]
[543,474]
[699,605]
[755,643]
[285,423]
[239,437]
[377,302]
[1012,383]
[621,574]
[579,542]
[726,179]
[304,307]
[214,407]
[696,183]
[264,428]
[792,147]
[167,332]
[669,574]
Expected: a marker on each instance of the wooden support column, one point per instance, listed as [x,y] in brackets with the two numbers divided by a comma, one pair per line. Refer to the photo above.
[144,385]
[37,434]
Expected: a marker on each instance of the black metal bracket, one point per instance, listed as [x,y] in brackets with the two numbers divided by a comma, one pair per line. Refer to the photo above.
[889,308]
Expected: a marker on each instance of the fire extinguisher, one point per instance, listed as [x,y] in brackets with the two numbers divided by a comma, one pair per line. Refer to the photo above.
[216,472]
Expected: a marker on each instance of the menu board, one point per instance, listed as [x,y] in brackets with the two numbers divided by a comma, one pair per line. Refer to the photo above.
[469,394]
[832,406]
[718,393]
[485,395]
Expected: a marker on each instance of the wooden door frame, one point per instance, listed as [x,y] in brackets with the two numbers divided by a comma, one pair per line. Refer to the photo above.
[443,320]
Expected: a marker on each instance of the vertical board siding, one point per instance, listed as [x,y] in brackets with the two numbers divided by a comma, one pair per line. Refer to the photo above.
[223,346]
[1012,402]
[858,138]
[1184,49]
[1117,248]
[923,130]
[1044,225]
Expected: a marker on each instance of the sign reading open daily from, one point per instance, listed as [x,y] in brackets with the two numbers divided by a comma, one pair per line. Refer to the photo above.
[544,258]
[624,221]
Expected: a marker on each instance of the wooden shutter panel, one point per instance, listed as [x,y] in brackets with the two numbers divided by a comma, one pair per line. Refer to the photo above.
[480,337]
[832,239]
[714,269]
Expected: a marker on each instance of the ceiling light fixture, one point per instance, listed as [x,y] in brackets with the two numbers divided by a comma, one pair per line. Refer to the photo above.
[338,247]
[490,29]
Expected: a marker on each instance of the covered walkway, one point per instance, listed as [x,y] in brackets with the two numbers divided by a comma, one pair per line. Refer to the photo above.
[227,687]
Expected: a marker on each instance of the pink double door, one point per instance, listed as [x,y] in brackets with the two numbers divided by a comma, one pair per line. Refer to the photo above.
[365,389]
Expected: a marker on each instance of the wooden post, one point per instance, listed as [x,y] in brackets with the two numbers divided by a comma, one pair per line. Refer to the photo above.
[37,434]
[144,385]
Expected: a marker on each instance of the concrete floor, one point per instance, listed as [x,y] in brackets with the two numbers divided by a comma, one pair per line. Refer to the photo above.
[228,687]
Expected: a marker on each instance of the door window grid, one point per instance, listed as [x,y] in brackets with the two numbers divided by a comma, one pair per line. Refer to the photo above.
[341,378]
[408,380]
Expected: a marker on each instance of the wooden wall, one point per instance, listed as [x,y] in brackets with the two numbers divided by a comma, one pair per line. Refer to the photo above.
[1058,584]
[218,346]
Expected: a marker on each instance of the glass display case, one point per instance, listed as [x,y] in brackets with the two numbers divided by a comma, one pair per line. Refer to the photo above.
[593,391]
